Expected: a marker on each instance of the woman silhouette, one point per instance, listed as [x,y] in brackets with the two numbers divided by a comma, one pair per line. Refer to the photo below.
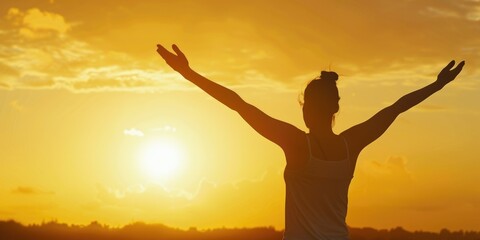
[320,163]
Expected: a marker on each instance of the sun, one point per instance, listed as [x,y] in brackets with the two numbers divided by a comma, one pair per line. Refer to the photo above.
[161,159]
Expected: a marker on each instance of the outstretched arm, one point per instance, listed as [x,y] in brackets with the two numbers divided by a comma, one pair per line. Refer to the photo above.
[361,135]
[281,133]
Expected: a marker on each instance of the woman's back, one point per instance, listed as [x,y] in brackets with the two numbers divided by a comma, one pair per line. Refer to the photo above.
[316,196]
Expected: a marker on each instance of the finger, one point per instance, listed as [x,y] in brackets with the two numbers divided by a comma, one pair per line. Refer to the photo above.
[458,68]
[449,65]
[177,50]
[162,51]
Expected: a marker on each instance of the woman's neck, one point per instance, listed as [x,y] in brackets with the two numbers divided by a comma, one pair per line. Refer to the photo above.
[325,131]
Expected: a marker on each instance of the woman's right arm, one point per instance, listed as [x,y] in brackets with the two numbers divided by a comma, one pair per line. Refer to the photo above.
[361,135]
[283,134]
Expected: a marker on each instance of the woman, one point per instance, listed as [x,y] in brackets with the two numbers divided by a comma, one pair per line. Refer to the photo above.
[320,163]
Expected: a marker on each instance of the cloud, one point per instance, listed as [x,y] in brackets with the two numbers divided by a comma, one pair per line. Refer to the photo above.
[110,195]
[38,20]
[133,132]
[442,12]
[395,74]
[4,85]
[50,57]
[35,23]
[116,78]
[34,208]
[430,108]
[8,75]
[411,42]
[395,167]
[37,61]
[6,70]
[255,79]
[166,128]
[24,190]
[474,14]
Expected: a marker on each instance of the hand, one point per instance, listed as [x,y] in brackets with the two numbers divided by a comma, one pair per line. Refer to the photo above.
[448,74]
[178,62]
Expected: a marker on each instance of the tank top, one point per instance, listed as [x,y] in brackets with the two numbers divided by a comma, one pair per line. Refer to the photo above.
[317,198]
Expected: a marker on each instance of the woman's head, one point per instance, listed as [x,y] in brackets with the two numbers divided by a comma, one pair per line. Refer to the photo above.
[320,99]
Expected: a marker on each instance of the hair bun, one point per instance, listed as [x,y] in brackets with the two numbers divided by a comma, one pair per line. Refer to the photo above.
[326,75]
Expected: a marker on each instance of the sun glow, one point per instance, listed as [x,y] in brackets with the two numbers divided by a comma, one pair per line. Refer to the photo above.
[161,160]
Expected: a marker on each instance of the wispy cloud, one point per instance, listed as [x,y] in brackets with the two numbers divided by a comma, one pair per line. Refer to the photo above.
[430,108]
[25,190]
[166,128]
[116,78]
[133,132]
[394,165]
[442,12]
[255,79]
[474,14]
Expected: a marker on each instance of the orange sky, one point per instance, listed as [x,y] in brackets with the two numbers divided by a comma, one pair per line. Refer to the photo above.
[84,99]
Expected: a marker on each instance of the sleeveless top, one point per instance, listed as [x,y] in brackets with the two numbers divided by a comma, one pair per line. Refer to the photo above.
[316,198]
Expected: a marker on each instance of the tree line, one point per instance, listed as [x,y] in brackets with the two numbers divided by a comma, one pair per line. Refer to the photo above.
[12,230]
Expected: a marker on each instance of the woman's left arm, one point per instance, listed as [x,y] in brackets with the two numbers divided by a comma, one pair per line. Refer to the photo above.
[365,133]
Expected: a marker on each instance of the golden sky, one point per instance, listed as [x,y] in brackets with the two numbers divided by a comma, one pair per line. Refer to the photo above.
[86,104]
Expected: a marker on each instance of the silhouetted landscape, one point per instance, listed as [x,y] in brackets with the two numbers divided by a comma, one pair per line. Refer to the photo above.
[11,230]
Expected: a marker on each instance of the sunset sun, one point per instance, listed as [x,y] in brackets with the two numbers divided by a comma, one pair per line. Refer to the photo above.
[161,160]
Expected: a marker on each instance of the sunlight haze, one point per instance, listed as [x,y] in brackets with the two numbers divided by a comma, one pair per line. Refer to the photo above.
[94,125]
